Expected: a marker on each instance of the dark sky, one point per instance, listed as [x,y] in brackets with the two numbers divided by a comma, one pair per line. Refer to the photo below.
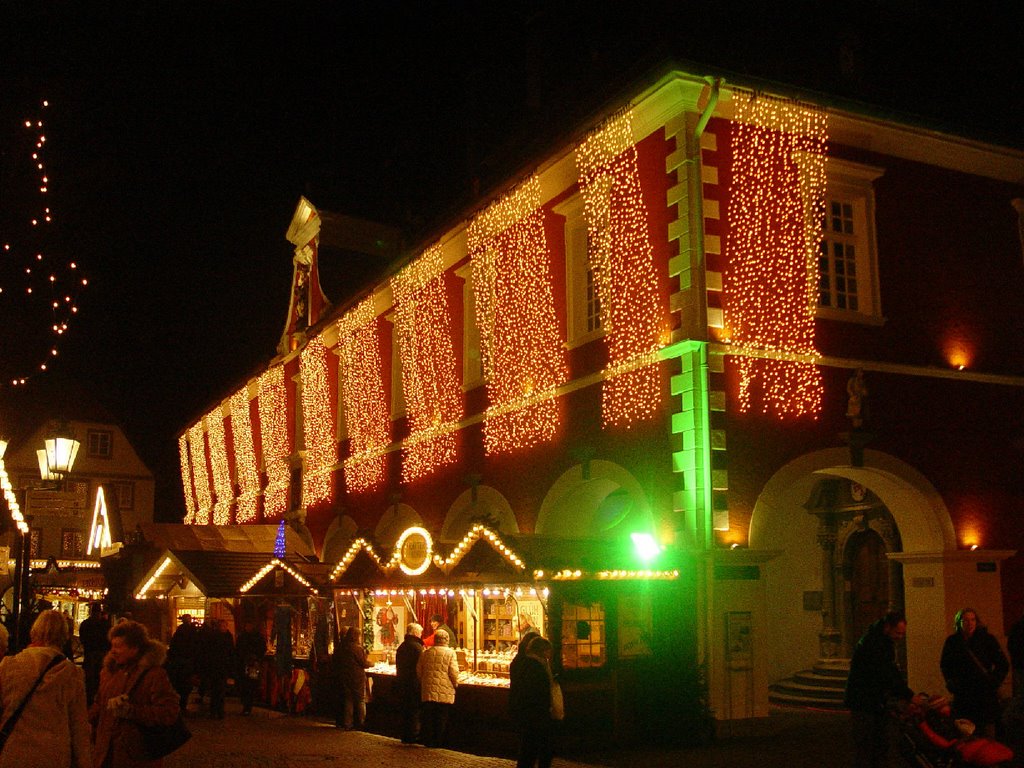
[182,134]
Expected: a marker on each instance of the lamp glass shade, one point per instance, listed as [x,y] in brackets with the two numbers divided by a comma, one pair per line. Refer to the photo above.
[3,448]
[61,453]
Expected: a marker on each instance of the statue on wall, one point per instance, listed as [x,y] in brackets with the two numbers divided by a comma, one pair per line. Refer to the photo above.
[856,404]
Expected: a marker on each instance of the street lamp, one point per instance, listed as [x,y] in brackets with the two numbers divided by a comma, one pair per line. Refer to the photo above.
[56,460]
[58,457]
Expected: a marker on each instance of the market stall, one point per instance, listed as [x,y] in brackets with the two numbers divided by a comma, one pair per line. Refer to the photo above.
[615,628]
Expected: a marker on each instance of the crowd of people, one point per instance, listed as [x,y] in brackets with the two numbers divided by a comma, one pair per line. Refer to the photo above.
[973,666]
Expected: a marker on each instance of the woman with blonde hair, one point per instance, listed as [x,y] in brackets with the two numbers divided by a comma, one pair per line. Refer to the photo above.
[134,690]
[51,730]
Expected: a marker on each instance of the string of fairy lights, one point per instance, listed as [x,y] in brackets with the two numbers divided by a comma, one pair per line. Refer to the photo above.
[775,212]
[246,469]
[317,424]
[200,474]
[429,371]
[524,362]
[622,259]
[367,419]
[38,284]
[273,404]
[222,485]
[186,480]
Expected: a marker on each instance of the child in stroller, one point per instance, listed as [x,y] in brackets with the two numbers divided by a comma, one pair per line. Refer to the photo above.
[931,738]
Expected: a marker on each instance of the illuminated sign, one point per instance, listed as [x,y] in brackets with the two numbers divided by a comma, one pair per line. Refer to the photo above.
[413,550]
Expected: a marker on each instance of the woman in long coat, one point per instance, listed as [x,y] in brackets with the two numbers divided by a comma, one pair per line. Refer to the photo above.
[438,673]
[53,731]
[118,709]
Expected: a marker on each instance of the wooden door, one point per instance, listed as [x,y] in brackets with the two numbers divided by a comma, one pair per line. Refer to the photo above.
[869,581]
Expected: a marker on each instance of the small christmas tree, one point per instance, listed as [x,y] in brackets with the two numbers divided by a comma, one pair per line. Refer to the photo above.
[279,542]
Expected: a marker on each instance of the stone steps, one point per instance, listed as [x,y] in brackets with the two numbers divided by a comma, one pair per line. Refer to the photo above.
[821,687]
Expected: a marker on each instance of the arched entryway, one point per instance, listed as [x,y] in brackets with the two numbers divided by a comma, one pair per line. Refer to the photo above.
[835,524]
[595,499]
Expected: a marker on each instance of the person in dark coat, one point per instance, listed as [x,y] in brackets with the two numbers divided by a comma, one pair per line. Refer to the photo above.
[214,663]
[250,649]
[874,679]
[1015,646]
[350,664]
[531,705]
[407,685]
[974,667]
[93,634]
[181,658]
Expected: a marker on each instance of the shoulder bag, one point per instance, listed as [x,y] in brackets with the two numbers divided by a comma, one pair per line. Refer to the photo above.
[12,721]
[160,740]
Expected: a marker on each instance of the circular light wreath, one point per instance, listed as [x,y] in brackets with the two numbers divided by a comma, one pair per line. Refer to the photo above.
[415,530]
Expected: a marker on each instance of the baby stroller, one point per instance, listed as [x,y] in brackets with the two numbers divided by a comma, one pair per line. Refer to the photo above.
[931,738]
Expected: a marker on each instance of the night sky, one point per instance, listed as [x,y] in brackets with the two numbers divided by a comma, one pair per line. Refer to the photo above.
[181,135]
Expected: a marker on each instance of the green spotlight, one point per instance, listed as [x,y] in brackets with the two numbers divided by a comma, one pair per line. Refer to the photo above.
[645,545]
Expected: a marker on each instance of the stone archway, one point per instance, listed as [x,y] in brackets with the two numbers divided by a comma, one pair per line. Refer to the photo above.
[599,498]
[781,523]
[480,503]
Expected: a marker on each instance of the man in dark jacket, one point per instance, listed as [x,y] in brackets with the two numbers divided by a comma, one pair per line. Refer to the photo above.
[874,678]
[407,685]
[974,667]
[250,648]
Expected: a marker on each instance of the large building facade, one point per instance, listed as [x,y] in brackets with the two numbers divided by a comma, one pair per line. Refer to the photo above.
[778,338]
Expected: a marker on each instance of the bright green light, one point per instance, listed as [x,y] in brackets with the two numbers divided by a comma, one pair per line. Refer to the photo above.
[645,545]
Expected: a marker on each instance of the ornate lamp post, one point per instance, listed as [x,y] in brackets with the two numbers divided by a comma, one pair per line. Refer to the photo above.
[56,460]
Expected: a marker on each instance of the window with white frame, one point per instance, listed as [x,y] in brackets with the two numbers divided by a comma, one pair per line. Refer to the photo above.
[847,261]
[583,300]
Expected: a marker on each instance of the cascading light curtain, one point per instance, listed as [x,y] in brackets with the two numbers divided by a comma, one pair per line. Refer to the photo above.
[366,418]
[273,411]
[200,474]
[246,468]
[523,358]
[222,484]
[186,480]
[430,381]
[317,423]
[775,212]
[622,260]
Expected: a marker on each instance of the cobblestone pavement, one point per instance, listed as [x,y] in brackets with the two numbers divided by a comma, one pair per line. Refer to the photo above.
[270,739]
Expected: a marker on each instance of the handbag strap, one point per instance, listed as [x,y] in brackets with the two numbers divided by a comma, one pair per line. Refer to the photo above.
[142,674]
[13,719]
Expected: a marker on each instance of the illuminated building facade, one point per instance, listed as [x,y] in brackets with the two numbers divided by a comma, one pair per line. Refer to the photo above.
[779,340]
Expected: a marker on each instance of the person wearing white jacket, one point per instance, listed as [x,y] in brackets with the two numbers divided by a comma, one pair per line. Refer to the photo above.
[438,673]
